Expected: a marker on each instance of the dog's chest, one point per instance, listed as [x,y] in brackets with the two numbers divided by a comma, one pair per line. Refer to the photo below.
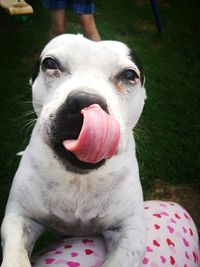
[76,227]
[75,214]
[80,205]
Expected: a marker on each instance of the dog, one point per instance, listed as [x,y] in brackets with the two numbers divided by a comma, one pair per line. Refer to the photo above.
[79,174]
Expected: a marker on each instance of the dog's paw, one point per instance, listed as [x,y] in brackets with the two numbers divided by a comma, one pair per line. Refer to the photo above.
[11,264]
[16,262]
[123,263]
[116,262]
[122,259]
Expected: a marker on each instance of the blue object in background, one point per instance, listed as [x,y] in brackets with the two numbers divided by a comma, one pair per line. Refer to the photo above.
[156,15]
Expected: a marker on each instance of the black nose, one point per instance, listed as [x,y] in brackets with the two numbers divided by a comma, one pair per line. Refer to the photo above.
[78,99]
[67,123]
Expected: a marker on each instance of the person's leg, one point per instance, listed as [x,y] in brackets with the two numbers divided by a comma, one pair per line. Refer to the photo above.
[89,26]
[57,22]
[57,15]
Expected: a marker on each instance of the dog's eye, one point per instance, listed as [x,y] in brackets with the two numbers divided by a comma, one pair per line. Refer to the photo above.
[49,63]
[129,75]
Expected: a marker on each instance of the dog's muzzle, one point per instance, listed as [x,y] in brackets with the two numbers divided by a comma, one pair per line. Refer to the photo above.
[82,133]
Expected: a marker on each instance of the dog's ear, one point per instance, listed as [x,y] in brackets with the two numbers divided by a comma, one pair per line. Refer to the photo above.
[35,71]
[136,60]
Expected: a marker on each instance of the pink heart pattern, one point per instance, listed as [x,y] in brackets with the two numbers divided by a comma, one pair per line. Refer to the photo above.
[73,264]
[68,246]
[145,260]
[171,229]
[157,226]
[176,221]
[186,243]
[49,260]
[87,241]
[58,252]
[163,259]
[88,251]
[169,242]
[148,249]
[156,243]
[74,254]
[172,240]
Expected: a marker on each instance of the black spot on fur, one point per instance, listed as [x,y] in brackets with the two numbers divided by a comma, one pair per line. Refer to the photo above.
[36,70]
[136,60]
[115,228]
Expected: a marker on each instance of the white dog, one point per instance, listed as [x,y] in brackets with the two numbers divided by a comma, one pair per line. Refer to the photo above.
[79,173]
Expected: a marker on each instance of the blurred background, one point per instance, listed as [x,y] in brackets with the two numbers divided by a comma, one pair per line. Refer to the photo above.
[168,133]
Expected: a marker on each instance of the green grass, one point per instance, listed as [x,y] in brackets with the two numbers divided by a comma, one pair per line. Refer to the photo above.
[168,133]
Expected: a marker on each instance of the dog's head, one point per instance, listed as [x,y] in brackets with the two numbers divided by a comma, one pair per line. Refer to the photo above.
[88,96]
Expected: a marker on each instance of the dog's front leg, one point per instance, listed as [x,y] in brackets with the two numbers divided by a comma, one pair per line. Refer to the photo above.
[126,244]
[18,237]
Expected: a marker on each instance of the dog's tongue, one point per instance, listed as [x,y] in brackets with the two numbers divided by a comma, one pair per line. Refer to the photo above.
[99,136]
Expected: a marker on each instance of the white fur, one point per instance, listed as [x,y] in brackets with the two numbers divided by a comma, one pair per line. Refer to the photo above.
[43,191]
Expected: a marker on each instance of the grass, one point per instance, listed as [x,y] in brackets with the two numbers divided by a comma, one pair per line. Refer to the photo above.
[168,133]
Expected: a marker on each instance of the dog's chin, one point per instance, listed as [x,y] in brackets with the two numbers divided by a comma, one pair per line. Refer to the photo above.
[71,162]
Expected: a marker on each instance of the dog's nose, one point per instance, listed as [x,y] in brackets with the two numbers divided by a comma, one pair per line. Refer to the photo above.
[79,99]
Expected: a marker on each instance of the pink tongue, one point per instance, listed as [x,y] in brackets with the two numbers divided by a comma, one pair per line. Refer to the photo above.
[99,136]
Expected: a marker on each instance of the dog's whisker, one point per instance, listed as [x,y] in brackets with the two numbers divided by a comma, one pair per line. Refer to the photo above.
[28,113]
[138,141]
[140,127]
[30,102]
[26,117]
[140,130]
[26,138]
[27,83]
[137,132]
[26,102]
[29,124]
[28,127]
